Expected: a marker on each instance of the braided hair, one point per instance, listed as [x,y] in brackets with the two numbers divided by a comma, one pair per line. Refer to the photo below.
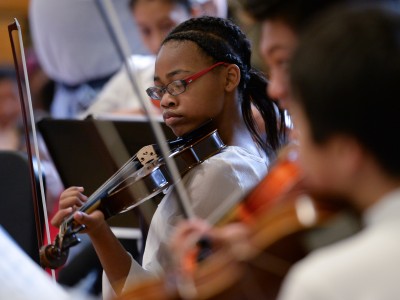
[222,40]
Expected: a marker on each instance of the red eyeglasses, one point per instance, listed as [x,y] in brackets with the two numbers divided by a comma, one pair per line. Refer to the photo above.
[177,87]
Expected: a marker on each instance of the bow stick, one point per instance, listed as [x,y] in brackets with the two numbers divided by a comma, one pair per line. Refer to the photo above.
[26,107]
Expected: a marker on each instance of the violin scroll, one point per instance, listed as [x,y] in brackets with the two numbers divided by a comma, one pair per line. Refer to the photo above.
[52,256]
[55,255]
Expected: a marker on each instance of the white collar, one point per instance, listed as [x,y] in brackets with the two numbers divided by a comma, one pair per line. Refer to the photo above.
[386,209]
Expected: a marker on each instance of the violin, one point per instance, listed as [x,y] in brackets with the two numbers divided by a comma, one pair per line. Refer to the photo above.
[278,214]
[143,177]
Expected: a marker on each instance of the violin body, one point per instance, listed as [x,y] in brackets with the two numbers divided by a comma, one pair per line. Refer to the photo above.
[154,178]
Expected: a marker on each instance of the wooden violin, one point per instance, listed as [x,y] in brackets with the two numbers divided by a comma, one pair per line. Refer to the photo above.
[277,215]
[143,177]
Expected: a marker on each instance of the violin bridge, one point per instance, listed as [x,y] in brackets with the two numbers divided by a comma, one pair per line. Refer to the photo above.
[146,154]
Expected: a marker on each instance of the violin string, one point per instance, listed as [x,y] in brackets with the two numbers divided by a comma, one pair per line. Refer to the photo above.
[34,134]
[109,182]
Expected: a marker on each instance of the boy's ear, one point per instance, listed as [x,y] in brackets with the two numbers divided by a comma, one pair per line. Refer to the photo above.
[232,77]
[349,154]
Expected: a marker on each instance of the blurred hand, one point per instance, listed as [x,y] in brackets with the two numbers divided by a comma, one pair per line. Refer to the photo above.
[233,237]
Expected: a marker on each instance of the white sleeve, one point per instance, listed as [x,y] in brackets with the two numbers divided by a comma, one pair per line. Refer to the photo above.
[136,274]
[218,179]
[114,96]
[303,282]
[118,93]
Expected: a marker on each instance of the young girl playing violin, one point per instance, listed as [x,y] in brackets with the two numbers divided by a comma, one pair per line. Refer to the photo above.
[202,72]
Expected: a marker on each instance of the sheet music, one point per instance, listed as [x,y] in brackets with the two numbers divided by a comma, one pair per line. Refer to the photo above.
[21,278]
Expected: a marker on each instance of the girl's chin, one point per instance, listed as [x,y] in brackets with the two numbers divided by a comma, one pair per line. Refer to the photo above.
[182,129]
[177,130]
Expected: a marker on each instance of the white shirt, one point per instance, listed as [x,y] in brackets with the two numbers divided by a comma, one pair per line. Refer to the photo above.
[118,93]
[365,266]
[233,171]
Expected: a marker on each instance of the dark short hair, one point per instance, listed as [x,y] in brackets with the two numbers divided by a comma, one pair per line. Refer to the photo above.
[295,13]
[345,74]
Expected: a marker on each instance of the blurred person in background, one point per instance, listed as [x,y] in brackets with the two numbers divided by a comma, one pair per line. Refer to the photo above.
[75,49]
[12,134]
[154,19]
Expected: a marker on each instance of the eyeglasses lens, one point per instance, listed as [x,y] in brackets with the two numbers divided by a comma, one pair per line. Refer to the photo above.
[176,87]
